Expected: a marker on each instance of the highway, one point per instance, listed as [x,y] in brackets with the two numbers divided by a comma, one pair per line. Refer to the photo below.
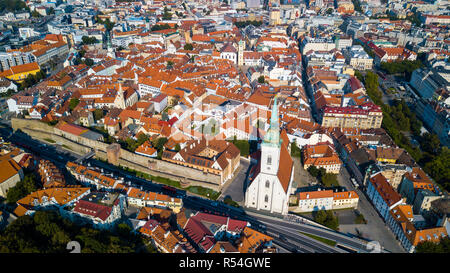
[286,234]
[289,227]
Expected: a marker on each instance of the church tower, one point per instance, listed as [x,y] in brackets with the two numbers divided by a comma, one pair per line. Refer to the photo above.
[241,47]
[271,145]
[120,98]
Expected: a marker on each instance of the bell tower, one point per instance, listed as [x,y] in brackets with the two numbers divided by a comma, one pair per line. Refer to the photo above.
[271,145]
[120,98]
[241,48]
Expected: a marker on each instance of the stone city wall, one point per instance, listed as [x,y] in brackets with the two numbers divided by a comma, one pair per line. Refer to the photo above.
[152,166]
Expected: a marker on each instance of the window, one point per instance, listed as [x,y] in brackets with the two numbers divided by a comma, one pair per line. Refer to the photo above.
[266,198]
[269,160]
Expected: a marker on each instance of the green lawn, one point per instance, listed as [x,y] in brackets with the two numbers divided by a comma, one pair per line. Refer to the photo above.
[49,140]
[323,240]
[209,193]
[67,147]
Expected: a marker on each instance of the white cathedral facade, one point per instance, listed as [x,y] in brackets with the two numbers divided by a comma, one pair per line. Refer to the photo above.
[270,180]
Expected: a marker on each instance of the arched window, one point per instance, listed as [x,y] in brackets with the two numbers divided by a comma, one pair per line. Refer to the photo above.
[267,184]
[266,198]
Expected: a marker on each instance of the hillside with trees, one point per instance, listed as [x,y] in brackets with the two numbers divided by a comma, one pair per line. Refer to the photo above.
[48,232]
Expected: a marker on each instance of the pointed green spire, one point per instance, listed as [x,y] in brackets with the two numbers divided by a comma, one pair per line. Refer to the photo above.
[272,136]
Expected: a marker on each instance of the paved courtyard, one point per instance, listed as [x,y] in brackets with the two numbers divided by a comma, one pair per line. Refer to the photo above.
[301,177]
[236,188]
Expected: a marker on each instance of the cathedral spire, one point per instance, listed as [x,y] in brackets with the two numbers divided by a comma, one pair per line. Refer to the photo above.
[272,136]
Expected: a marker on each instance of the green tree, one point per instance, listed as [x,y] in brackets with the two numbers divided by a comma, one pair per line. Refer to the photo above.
[443,246]
[359,76]
[12,5]
[48,232]
[86,40]
[166,15]
[313,171]
[357,5]
[73,103]
[329,180]
[326,218]
[295,150]
[430,143]
[188,47]
[88,62]
[243,146]
[177,147]
[28,185]
[261,79]
[160,27]
[35,14]
[98,114]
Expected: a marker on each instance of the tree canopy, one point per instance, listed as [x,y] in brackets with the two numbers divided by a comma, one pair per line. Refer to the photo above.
[246,23]
[73,103]
[48,232]
[86,40]
[443,246]
[404,68]
[12,5]
[326,218]
[28,185]
[188,47]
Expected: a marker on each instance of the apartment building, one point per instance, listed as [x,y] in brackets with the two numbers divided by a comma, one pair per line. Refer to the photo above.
[383,197]
[367,116]
[14,58]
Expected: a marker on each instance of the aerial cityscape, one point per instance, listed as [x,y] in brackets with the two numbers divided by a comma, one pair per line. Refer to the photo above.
[224,126]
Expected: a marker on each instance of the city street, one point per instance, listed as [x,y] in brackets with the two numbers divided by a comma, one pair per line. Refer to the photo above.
[290,231]
[375,229]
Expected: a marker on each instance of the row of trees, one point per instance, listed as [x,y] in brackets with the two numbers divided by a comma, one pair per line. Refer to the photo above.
[246,23]
[398,119]
[443,246]
[32,79]
[12,5]
[48,232]
[86,40]
[404,68]
[131,144]
[160,27]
